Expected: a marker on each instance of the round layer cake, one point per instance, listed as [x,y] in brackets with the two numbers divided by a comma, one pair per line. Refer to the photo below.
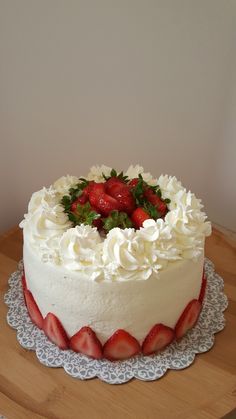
[113,262]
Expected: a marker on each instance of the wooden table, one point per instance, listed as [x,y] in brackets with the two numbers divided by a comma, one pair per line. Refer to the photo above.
[205,390]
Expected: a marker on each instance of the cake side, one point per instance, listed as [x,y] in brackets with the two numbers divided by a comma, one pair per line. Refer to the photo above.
[134,306]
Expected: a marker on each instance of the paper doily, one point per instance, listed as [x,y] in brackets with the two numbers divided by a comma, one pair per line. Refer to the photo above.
[178,355]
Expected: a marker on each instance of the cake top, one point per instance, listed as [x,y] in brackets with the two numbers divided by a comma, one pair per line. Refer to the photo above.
[115,226]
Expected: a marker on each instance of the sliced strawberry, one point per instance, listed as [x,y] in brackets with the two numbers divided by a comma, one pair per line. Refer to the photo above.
[74,205]
[103,202]
[23,281]
[86,342]
[86,191]
[96,190]
[133,182]
[139,216]
[55,331]
[33,309]
[110,183]
[157,339]
[106,204]
[162,208]
[120,345]
[125,198]
[188,318]
[83,198]
[155,200]
[203,288]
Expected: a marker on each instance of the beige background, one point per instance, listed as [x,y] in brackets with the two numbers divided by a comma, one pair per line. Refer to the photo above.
[118,82]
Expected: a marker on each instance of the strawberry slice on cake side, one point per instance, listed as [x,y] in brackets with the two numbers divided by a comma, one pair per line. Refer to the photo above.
[33,309]
[86,342]
[188,318]
[54,330]
[157,339]
[121,345]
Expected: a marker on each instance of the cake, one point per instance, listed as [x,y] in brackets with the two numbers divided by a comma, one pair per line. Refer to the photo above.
[114,262]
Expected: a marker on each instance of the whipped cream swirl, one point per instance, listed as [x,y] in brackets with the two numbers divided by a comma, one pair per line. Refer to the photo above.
[80,249]
[96,173]
[123,254]
[64,183]
[135,171]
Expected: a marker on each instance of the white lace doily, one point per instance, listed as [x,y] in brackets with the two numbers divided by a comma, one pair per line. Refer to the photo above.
[178,355]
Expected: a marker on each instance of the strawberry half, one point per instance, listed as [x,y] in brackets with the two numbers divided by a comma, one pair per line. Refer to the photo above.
[23,281]
[125,198]
[139,216]
[110,183]
[120,345]
[55,331]
[86,342]
[33,309]
[188,318]
[133,182]
[103,202]
[155,200]
[203,288]
[157,339]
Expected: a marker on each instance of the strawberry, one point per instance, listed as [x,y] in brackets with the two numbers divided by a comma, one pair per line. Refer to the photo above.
[33,309]
[203,288]
[103,202]
[85,194]
[73,207]
[55,331]
[23,281]
[96,190]
[86,342]
[121,345]
[157,339]
[110,183]
[125,198]
[133,182]
[83,198]
[106,204]
[139,216]
[188,318]
[155,200]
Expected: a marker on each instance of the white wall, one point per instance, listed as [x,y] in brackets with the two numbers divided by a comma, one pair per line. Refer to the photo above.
[117,82]
[222,187]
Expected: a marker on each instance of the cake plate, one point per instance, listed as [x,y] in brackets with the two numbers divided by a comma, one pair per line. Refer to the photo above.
[177,355]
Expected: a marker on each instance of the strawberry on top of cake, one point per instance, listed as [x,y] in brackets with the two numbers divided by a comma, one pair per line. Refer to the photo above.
[116,202]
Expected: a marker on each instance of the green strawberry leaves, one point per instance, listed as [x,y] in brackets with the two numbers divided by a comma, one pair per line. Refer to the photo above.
[114,173]
[74,193]
[117,219]
[83,215]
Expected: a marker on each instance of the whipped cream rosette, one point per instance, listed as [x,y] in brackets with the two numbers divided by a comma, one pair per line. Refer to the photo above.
[124,253]
[64,183]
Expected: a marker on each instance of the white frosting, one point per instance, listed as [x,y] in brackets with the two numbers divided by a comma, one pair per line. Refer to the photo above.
[96,173]
[43,198]
[134,171]
[124,254]
[79,249]
[106,306]
[64,183]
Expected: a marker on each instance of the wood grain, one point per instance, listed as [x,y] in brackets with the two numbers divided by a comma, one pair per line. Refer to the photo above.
[205,390]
